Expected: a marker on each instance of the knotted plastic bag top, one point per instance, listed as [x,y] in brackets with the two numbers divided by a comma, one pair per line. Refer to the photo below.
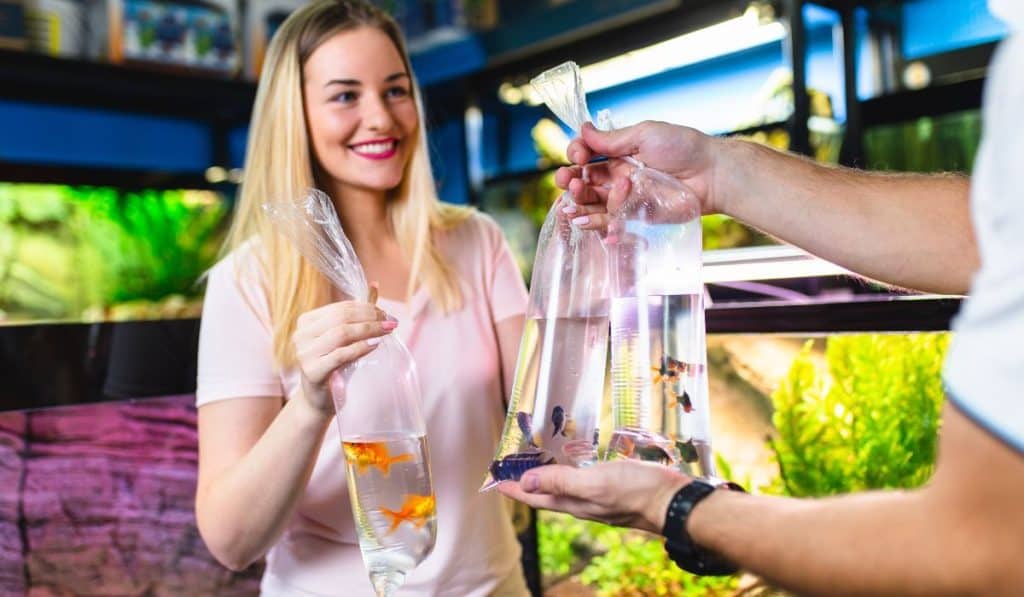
[384,381]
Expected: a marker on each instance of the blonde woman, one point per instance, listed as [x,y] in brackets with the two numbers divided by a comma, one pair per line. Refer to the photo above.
[338,109]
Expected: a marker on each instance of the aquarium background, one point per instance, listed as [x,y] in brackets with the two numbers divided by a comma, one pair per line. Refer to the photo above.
[72,253]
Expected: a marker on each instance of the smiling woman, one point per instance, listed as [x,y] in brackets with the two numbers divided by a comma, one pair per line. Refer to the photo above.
[338,109]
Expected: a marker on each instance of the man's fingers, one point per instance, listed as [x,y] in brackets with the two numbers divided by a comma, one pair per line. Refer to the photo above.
[613,144]
[555,479]
[578,152]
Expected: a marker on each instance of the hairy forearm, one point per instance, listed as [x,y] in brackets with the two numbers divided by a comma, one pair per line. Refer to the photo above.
[912,231]
[242,511]
[883,543]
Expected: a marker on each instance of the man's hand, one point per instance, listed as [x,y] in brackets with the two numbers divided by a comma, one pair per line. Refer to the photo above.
[623,493]
[681,152]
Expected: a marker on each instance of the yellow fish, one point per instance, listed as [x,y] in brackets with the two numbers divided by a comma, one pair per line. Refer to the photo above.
[367,454]
[416,510]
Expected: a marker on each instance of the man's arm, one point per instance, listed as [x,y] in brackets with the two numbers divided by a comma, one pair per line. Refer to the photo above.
[912,231]
[961,534]
[908,230]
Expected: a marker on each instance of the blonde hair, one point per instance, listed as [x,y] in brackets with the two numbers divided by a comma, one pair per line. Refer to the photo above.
[279,165]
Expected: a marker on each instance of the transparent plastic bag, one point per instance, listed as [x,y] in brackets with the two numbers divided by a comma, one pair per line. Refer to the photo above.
[556,398]
[658,347]
[382,429]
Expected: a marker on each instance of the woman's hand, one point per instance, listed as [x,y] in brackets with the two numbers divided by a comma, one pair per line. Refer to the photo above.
[623,493]
[331,337]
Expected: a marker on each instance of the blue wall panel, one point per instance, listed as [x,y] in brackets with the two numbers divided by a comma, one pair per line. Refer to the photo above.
[56,135]
[934,26]
[448,158]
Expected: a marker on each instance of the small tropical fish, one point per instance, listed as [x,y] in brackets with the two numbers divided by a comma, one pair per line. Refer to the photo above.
[557,419]
[687,450]
[562,422]
[671,369]
[642,450]
[512,467]
[523,420]
[367,454]
[416,510]
[684,401]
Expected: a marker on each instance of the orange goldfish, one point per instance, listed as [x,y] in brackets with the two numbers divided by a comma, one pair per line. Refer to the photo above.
[416,510]
[367,454]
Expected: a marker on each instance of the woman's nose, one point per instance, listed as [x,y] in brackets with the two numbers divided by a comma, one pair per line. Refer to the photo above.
[377,115]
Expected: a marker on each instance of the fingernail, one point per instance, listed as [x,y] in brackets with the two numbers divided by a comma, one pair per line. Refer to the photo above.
[529,483]
[569,209]
[373,341]
[581,221]
[390,317]
[389,324]
[572,155]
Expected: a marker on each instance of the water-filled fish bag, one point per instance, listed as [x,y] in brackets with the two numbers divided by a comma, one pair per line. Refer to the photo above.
[555,406]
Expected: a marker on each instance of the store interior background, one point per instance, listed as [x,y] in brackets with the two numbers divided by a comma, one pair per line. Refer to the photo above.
[118,174]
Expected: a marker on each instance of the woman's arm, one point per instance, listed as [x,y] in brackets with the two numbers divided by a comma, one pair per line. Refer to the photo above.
[255,460]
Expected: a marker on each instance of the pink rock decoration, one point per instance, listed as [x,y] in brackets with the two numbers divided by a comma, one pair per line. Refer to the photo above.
[99,499]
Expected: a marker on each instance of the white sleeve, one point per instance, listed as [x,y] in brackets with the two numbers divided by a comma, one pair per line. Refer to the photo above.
[984,371]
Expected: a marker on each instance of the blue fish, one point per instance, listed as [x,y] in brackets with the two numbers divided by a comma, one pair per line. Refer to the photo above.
[523,420]
[558,420]
[512,467]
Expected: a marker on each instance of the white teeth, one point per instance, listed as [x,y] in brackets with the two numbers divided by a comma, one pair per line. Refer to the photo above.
[374,148]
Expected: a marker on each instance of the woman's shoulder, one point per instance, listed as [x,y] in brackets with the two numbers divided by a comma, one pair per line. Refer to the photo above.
[474,228]
[242,266]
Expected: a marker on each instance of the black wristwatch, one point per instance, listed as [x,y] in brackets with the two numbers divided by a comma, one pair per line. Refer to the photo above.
[680,547]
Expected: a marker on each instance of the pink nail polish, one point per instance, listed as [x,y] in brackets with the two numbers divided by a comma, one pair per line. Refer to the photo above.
[581,221]
[389,324]
[569,209]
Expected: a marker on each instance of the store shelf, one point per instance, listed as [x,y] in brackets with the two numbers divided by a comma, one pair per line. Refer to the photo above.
[930,101]
[125,179]
[864,314]
[54,364]
[36,78]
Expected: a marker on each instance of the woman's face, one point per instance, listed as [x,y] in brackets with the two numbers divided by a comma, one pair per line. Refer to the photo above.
[359,107]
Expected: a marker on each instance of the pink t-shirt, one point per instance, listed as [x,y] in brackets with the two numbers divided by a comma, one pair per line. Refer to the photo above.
[459,365]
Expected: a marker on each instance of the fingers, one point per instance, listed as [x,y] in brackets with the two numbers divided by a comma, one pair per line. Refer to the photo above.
[337,334]
[617,143]
[578,152]
[618,194]
[558,480]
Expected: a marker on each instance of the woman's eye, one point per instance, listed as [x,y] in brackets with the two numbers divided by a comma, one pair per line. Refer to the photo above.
[397,92]
[345,97]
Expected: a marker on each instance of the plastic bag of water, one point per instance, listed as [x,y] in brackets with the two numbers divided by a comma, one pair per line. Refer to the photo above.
[560,372]
[383,435]
[659,382]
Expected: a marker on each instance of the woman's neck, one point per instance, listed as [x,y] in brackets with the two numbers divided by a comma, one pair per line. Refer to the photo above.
[364,217]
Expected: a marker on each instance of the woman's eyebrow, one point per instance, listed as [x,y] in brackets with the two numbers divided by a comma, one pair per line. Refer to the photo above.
[354,82]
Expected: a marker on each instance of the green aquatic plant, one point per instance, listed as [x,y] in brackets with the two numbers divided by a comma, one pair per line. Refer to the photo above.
[871,421]
[65,251]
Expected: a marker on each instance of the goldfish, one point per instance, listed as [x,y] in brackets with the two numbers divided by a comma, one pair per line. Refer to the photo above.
[416,510]
[367,454]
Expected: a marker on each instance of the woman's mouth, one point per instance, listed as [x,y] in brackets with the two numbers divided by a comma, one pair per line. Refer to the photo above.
[379,149]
